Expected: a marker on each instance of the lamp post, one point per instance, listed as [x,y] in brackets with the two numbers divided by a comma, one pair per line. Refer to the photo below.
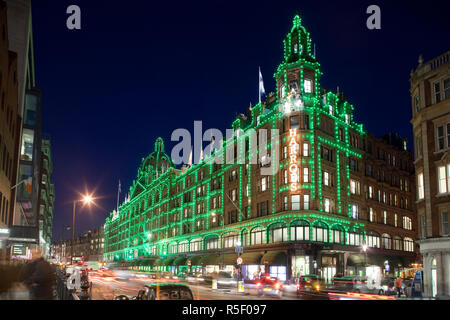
[87,199]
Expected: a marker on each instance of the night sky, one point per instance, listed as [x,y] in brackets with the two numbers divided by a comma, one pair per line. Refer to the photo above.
[138,70]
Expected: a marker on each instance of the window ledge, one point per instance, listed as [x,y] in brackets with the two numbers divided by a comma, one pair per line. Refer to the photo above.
[446,194]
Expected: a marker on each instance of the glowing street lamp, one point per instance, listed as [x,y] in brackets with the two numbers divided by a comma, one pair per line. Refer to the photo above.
[87,199]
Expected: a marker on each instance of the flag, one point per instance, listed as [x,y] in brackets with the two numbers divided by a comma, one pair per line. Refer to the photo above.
[28,184]
[262,92]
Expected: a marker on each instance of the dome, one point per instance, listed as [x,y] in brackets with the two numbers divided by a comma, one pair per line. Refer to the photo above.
[155,164]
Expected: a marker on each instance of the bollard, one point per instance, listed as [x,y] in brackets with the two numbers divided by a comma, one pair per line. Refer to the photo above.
[241,286]
[214,284]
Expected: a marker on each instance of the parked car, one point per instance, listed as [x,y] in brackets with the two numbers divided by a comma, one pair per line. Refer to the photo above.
[268,285]
[310,283]
[161,291]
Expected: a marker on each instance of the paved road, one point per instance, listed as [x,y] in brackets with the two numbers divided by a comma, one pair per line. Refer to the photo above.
[106,288]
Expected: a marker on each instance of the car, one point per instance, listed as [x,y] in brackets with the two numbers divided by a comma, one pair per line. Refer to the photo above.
[161,291]
[357,284]
[268,285]
[309,283]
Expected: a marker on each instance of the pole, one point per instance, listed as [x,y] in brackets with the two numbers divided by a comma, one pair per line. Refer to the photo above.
[73,228]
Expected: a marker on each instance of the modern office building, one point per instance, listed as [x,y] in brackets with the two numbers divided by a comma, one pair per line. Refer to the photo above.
[10,124]
[47,197]
[430,96]
[325,190]
[23,226]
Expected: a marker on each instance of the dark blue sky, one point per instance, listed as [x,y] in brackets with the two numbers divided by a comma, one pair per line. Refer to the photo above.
[138,70]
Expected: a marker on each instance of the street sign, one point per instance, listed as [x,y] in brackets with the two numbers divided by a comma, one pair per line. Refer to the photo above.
[239,260]
[241,286]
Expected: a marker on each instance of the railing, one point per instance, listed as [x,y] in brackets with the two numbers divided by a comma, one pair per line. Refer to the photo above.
[64,293]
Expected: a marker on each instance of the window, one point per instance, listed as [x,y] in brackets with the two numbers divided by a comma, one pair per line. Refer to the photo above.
[442,180]
[257,236]
[444,222]
[299,230]
[354,238]
[278,233]
[285,175]
[308,86]
[437,92]
[384,217]
[229,240]
[416,100]
[263,184]
[305,149]
[327,205]
[305,174]
[397,243]
[212,243]
[408,244]
[440,136]
[347,118]
[418,146]
[354,187]
[447,88]
[448,135]
[373,239]
[423,233]
[337,235]
[285,203]
[354,211]
[371,215]
[27,145]
[330,109]
[395,220]
[386,241]
[285,152]
[195,245]
[306,202]
[295,201]
[294,122]
[326,178]
[370,192]
[320,232]
[420,190]
[407,224]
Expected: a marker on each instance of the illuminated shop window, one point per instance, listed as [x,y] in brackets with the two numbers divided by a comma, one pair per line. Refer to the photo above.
[257,236]
[354,238]
[373,239]
[306,202]
[195,245]
[27,145]
[337,235]
[386,241]
[408,244]
[230,240]
[320,232]
[278,233]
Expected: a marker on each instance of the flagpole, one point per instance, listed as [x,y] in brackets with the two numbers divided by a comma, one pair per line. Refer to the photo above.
[118,193]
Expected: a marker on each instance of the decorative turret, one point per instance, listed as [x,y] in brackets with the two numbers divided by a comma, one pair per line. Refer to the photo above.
[157,163]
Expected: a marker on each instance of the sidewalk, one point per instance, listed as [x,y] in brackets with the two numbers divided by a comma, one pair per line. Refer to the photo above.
[17,292]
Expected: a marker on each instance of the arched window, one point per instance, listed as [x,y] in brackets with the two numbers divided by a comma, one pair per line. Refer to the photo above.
[195,245]
[337,234]
[172,248]
[300,230]
[373,239]
[278,233]
[320,232]
[408,244]
[183,246]
[397,243]
[212,242]
[244,238]
[386,241]
[229,240]
[354,237]
[257,236]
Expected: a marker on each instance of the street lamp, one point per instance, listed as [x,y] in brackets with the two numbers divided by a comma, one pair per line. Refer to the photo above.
[87,199]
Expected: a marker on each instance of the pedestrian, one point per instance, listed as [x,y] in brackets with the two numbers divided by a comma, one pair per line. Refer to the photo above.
[398,286]
[40,278]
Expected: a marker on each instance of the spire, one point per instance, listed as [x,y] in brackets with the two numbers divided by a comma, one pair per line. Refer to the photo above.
[159,145]
[297,43]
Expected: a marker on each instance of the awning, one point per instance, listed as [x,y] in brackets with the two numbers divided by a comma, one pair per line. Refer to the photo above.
[160,262]
[195,260]
[209,260]
[359,260]
[148,262]
[180,261]
[169,261]
[275,258]
[227,259]
[251,258]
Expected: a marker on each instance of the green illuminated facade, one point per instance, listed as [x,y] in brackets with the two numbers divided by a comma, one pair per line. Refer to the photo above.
[287,225]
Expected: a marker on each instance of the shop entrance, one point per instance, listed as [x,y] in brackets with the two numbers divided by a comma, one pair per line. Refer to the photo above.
[328,267]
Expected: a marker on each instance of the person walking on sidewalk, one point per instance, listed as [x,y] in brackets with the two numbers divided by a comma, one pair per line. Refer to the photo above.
[398,286]
[39,276]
